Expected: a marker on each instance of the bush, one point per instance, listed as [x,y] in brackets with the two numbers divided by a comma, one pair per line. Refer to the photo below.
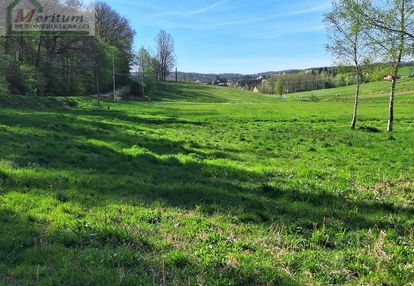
[344,79]
[314,98]
[124,92]
[15,78]
[3,84]
[55,84]
[378,73]
[133,89]
[268,86]
[23,79]
[34,81]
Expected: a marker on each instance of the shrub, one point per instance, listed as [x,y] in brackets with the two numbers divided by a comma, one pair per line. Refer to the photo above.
[268,86]
[33,81]
[314,98]
[344,79]
[55,84]
[133,89]
[124,92]
[3,84]
[23,79]
[378,73]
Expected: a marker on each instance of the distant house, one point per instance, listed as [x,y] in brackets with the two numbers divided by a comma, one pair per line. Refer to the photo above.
[389,77]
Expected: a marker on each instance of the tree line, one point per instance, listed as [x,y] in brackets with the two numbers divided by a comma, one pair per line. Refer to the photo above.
[322,78]
[364,31]
[80,65]
[68,65]
[306,80]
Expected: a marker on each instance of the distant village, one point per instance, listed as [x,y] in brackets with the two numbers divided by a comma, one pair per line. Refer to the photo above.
[287,81]
[249,82]
[253,82]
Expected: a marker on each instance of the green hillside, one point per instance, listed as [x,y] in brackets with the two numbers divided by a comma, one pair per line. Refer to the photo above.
[207,186]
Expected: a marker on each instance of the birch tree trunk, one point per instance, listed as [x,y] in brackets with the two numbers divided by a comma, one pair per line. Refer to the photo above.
[391,105]
[356,102]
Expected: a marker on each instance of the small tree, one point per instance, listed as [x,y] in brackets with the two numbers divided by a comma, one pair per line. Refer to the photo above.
[144,64]
[280,86]
[348,41]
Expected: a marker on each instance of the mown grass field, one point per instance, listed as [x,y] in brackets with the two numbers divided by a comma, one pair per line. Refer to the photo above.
[207,186]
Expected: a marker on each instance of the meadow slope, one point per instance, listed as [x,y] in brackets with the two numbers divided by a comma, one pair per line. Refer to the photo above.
[207,186]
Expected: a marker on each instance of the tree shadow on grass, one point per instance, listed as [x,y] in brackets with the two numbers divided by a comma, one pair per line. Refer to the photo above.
[152,172]
[29,257]
[105,254]
[67,164]
[188,93]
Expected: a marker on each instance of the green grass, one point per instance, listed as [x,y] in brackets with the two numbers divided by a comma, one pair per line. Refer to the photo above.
[406,71]
[207,186]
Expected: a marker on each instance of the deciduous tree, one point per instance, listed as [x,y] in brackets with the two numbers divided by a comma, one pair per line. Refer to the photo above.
[348,40]
[144,65]
[165,53]
[392,37]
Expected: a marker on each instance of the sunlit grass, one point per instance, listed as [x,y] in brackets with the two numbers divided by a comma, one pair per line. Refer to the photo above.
[209,186]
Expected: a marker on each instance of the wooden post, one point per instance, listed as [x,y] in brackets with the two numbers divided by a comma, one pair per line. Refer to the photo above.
[98,90]
[113,75]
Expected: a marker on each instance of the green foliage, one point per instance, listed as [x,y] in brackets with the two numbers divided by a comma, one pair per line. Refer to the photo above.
[3,84]
[24,79]
[135,88]
[149,68]
[131,90]
[268,86]
[33,80]
[324,79]
[378,72]
[279,89]
[344,79]
[314,98]
[300,81]
[69,66]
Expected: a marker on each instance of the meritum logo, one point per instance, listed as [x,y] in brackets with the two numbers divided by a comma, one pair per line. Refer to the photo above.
[33,18]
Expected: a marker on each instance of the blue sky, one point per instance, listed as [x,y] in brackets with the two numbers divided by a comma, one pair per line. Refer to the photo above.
[240,36]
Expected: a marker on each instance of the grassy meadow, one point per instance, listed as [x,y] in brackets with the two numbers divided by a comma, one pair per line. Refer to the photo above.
[208,186]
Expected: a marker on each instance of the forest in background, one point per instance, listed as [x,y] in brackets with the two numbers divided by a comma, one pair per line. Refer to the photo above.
[323,78]
[69,65]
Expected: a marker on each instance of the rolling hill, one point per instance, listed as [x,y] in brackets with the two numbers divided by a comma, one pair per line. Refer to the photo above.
[207,186]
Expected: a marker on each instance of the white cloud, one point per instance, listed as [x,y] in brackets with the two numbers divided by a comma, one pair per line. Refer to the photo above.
[187,13]
[308,10]
[282,31]
[206,9]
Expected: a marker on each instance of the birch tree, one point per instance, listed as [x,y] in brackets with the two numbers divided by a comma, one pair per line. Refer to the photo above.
[392,37]
[348,41]
[144,64]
